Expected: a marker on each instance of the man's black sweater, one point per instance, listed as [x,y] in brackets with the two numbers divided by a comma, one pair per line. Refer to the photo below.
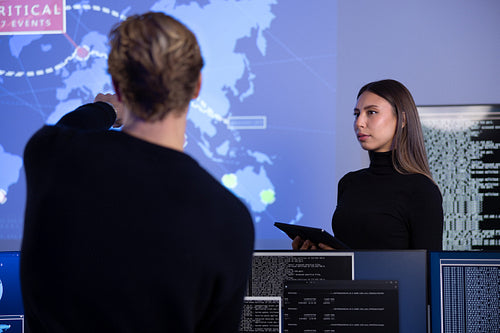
[122,235]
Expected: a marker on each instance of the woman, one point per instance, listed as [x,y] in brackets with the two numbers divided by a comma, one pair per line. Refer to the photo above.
[394,203]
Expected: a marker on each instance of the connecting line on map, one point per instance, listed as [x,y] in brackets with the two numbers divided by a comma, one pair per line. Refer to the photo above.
[97,8]
[232,122]
[81,52]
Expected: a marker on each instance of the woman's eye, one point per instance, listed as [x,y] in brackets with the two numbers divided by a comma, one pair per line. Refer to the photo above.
[372,112]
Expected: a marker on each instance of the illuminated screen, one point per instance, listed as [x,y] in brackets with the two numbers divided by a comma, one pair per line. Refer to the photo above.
[11,304]
[263,124]
[463,147]
[464,291]
[271,270]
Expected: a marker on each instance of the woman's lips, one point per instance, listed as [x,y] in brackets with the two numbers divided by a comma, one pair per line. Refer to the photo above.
[362,137]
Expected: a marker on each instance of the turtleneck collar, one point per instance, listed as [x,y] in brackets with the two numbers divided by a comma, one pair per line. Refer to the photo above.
[381,161]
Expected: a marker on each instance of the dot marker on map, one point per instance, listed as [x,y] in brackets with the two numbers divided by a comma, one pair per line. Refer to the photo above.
[267,196]
[82,52]
[3,196]
[230,180]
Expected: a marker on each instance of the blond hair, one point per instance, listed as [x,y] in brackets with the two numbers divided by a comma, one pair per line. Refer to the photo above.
[155,62]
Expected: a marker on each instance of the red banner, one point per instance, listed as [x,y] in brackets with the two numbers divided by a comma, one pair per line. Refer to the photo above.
[23,17]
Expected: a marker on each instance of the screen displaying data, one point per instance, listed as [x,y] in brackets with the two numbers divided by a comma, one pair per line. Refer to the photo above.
[392,284]
[463,147]
[263,124]
[11,304]
[261,314]
[465,291]
[270,269]
[341,306]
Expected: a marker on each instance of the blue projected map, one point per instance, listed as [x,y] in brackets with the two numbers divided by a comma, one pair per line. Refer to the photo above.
[264,121]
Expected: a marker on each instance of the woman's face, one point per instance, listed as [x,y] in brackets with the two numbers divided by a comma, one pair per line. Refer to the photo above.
[375,122]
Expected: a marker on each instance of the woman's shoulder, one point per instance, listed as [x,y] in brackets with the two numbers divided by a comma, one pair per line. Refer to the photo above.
[352,176]
[420,179]
[422,184]
[355,173]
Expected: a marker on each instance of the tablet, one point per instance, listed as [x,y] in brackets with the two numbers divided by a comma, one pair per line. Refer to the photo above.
[315,235]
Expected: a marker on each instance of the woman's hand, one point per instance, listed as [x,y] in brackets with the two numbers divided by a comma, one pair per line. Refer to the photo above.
[325,247]
[300,244]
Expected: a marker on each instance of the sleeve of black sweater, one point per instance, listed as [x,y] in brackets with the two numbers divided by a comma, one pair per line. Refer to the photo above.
[426,217]
[92,116]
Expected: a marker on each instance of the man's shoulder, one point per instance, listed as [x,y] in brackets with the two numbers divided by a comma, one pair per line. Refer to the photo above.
[43,138]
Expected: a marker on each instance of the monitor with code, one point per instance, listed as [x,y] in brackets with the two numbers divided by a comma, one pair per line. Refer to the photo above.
[465,291]
[398,277]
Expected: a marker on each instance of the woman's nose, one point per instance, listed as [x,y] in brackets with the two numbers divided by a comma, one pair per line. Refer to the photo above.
[360,122]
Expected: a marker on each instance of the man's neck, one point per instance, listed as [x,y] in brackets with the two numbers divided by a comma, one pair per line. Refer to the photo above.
[168,132]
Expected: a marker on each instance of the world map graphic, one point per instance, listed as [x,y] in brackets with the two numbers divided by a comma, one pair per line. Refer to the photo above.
[262,124]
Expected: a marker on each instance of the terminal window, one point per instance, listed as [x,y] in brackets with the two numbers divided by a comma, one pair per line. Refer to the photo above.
[329,306]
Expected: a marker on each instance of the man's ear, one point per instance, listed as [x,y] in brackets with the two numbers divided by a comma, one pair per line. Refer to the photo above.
[117,91]
[198,87]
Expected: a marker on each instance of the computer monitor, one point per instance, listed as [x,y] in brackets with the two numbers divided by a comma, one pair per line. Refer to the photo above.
[463,148]
[465,291]
[271,268]
[405,269]
[11,303]
[409,268]
[261,314]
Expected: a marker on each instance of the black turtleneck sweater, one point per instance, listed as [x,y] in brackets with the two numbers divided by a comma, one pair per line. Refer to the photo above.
[379,208]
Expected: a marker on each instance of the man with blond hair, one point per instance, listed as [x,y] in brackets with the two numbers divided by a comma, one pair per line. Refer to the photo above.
[124,232]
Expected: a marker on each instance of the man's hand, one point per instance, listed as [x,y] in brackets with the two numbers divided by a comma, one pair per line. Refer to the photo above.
[112,100]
